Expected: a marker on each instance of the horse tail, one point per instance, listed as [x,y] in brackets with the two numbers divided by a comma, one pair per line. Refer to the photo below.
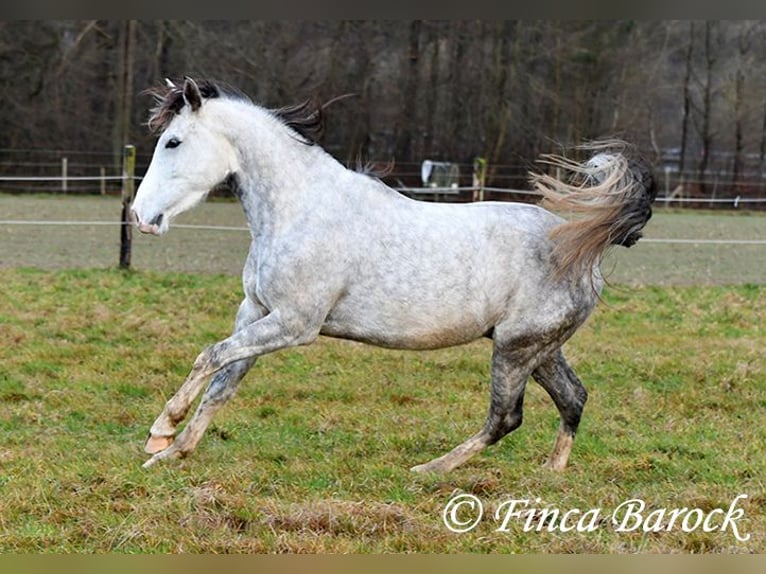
[608,199]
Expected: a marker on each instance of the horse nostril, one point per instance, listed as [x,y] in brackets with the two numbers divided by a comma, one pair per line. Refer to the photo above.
[157,220]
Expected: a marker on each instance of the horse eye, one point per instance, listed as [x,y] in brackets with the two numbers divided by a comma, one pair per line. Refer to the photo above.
[172,142]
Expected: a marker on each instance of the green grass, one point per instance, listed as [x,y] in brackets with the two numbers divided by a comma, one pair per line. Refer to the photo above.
[313,453]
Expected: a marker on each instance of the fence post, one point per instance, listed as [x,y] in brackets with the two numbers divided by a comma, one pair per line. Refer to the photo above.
[64,170]
[103,180]
[479,177]
[128,185]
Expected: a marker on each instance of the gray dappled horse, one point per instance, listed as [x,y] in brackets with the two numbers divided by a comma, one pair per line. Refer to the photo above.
[336,252]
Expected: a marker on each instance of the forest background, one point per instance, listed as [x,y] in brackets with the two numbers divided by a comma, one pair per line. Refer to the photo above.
[690,94]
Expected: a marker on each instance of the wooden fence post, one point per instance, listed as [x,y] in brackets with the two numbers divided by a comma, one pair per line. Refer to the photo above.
[479,178]
[128,186]
[64,173]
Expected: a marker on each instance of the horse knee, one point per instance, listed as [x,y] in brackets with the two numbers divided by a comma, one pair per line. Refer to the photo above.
[206,361]
[572,412]
[500,425]
[582,397]
[226,381]
[566,390]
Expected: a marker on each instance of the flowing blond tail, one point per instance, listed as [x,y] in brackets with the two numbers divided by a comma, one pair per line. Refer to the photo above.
[608,199]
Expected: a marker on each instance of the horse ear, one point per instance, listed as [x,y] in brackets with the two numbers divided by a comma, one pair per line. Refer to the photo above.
[192,94]
[169,83]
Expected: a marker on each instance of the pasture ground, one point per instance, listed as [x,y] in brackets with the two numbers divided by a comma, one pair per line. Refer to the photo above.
[313,453]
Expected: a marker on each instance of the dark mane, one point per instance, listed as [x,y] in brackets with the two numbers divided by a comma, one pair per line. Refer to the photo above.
[169,100]
[306,118]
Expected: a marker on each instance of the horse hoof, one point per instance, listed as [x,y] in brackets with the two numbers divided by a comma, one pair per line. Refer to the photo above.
[427,467]
[155,444]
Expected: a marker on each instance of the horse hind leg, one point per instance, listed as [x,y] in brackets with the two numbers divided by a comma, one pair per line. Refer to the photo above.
[510,372]
[569,395]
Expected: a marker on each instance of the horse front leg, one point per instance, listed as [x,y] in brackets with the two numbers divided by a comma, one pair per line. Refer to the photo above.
[221,389]
[237,354]
[164,427]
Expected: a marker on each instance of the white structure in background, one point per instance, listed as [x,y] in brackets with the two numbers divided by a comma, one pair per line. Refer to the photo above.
[441,174]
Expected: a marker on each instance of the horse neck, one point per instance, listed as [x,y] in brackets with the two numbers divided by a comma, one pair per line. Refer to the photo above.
[279,175]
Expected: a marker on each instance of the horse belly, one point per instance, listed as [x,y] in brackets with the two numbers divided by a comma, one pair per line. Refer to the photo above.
[408,326]
[431,280]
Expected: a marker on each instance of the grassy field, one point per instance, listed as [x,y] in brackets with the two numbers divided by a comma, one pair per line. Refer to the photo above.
[313,453]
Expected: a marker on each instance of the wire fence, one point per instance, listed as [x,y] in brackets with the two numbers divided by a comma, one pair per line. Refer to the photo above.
[104,184]
[54,232]
[731,255]
[242,228]
[679,190]
[100,173]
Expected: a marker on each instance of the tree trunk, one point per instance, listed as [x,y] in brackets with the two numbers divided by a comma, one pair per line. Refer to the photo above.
[506,62]
[706,135]
[762,147]
[687,102]
[124,88]
[745,35]
[738,136]
[407,121]
[432,91]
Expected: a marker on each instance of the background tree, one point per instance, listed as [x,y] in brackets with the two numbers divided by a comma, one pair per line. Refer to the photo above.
[689,94]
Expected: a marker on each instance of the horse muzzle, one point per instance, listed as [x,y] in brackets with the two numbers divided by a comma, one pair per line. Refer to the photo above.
[153,227]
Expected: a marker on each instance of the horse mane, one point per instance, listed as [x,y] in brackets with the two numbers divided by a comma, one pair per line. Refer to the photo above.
[306,119]
[373,169]
[169,99]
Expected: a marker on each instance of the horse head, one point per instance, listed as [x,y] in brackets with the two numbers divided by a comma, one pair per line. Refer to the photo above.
[191,157]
